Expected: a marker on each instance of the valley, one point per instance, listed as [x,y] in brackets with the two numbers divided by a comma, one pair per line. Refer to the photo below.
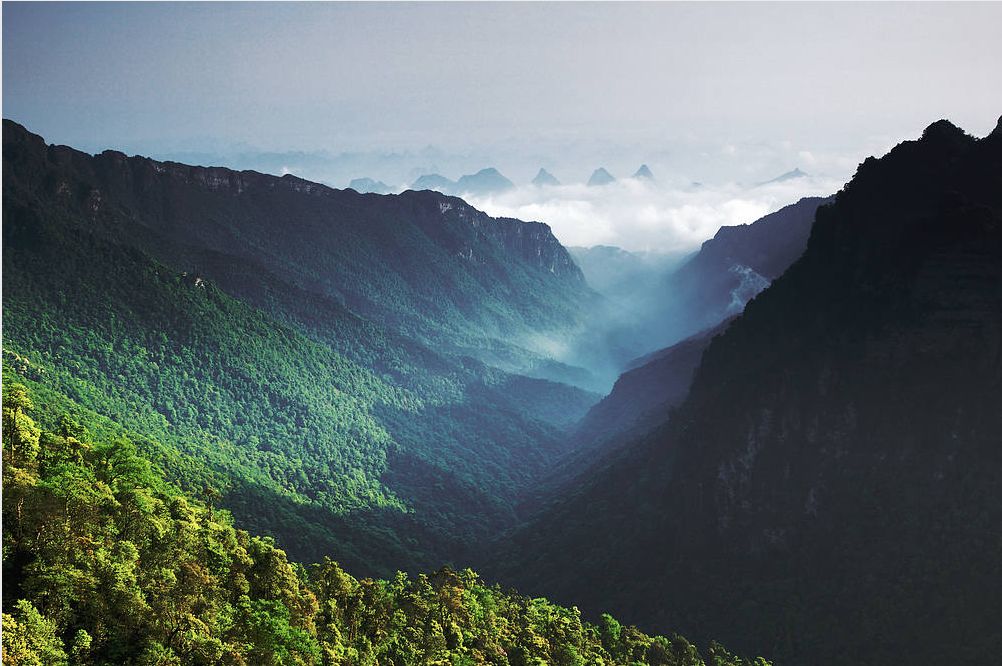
[402,382]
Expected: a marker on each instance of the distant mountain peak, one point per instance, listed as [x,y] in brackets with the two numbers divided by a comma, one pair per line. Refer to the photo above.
[600,177]
[789,175]
[369,185]
[434,181]
[643,173]
[545,178]
[485,181]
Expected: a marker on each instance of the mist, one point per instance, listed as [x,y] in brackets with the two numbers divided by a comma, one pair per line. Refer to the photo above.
[642,216]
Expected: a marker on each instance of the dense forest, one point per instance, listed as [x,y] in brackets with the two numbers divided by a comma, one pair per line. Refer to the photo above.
[106,563]
[815,478]
[164,298]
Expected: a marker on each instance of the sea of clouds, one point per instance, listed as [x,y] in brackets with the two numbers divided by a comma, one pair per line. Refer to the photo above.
[649,216]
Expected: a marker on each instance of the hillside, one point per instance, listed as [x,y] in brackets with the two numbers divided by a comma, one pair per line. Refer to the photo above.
[833,475]
[419,263]
[105,563]
[310,399]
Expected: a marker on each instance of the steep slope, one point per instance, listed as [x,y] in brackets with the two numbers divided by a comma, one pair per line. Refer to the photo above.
[318,425]
[105,563]
[670,304]
[829,490]
[642,396]
[735,265]
[421,264]
[640,400]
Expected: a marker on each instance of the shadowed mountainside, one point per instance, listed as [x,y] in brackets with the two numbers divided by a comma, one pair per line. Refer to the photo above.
[829,490]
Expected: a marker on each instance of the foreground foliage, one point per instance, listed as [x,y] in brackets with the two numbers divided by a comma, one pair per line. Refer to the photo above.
[106,563]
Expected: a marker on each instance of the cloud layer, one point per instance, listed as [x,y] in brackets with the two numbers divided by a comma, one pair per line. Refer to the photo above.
[636,215]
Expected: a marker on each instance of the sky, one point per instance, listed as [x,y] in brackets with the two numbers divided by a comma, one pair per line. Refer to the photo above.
[723,94]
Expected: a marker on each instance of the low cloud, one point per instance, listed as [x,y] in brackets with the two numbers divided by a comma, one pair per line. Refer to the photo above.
[657,217]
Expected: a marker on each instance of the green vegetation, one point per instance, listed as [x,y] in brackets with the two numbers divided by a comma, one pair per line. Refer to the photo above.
[314,425]
[106,563]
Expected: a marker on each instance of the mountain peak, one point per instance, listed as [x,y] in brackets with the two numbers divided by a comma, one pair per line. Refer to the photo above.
[369,185]
[433,181]
[544,178]
[643,173]
[600,177]
[942,129]
[485,181]
[789,175]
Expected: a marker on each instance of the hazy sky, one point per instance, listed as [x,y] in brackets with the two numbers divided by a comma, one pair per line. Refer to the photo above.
[709,92]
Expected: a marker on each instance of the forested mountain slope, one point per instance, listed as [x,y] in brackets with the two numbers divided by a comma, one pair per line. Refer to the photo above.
[419,263]
[105,563]
[317,424]
[830,490]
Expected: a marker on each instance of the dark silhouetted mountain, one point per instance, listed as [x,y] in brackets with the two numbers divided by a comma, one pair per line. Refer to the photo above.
[545,178]
[829,489]
[367,185]
[308,352]
[652,387]
[789,175]
[600,177]
[485,181]
[436,182]
[643,173]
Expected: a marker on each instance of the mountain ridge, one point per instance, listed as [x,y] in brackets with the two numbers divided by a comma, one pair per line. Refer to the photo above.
[837,454]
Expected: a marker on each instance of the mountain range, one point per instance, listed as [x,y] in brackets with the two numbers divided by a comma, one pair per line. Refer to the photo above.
[484,182]
[208,371]
[828,488]
[325,359]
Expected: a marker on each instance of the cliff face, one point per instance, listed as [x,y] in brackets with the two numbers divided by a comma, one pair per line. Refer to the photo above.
[419,262]
[738,263]
[833,477]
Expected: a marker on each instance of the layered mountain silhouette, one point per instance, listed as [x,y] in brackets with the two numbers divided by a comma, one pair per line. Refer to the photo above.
[738,262]
[369,185]
[600,177]
[828,491]
[669,302]
[434,181]
[486,181]
[782,178]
